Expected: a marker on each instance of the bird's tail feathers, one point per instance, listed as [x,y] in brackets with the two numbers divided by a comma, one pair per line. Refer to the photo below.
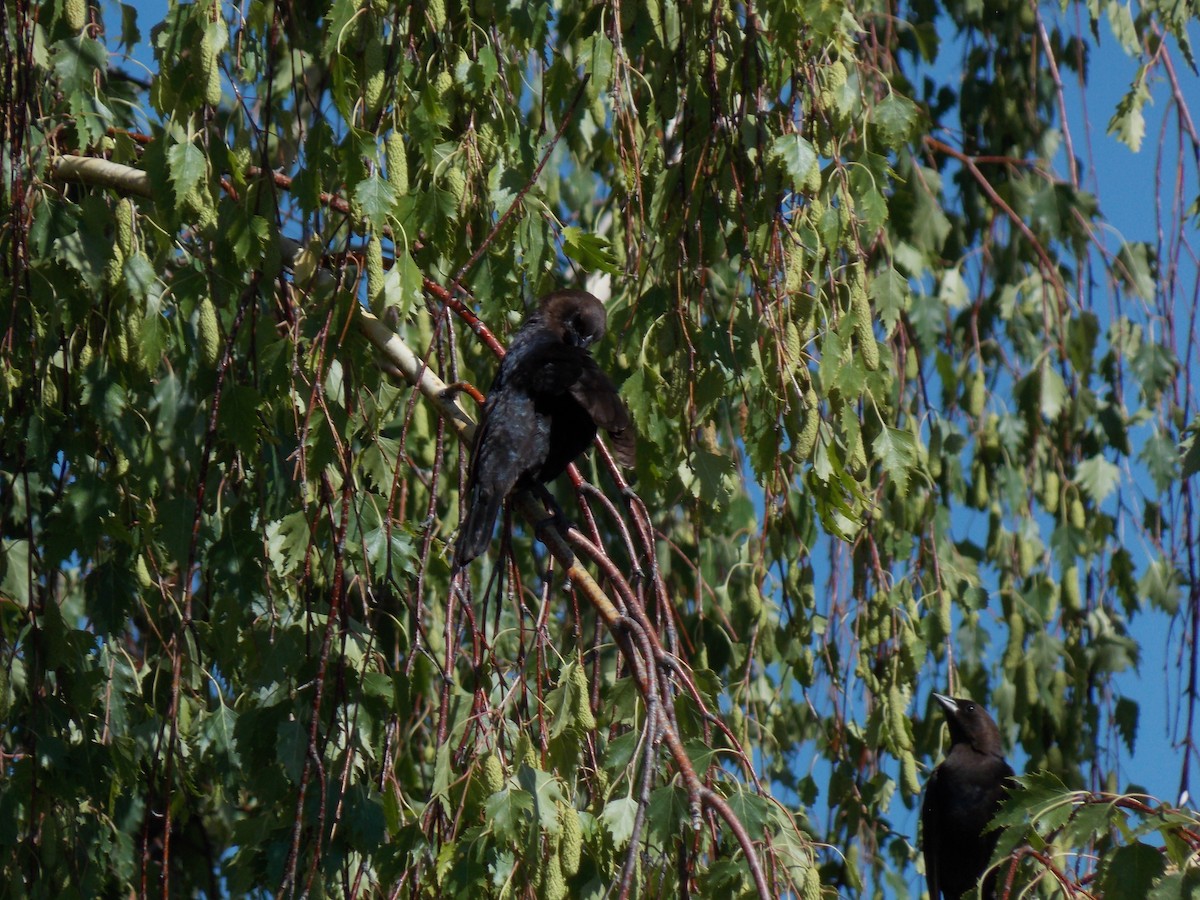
[475,532]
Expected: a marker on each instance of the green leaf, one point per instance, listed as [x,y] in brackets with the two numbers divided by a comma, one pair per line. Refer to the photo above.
[1154,365]
[76,61]
[896,117]
[1082,332]
[797,157]
[489,66]
[502,868]
[507,812]
[889,294]
[897,452]
[140,277]
[291,746]
[590,251]
[1161,458]
[928,224]
[568,702]
[1039,792]
[1131,871]
[1160,586]
[390,550]
[1184,885]
[1098,477]
[712,476]
[188,166]
[1052,395]
[337,25]
[14,567]
[239,415]
[377,198]
[1128,123]
[546,792]
[1135,268]
[952,292]
[927,315]
[92,118]
[287,540]
[131,36]
[597,58]
[1120,20]
[217,734]
[1190,450]
[667,812]
[618,818]
[1092,820]
[870,204]
[753,810]
[404,285]
[1125,716]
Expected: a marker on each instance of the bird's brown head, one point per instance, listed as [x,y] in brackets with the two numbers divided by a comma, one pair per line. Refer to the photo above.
[970,724]
[577,317]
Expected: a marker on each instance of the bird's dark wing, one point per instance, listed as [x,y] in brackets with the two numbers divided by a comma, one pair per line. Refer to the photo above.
[1005,782]
[544,366]
[930,827]
[511,442]
[598,396]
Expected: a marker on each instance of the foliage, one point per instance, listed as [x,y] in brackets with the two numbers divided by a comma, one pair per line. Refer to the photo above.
[909,413]
[1145,851]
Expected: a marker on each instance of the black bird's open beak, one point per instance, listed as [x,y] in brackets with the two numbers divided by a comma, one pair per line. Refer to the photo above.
[947,702]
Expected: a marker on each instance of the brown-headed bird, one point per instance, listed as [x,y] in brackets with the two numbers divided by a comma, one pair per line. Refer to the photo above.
[542,411]
[961,798]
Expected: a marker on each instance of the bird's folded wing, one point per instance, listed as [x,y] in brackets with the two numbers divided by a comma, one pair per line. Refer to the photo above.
[929,835]
[507,442]
[549,367]
[598,395]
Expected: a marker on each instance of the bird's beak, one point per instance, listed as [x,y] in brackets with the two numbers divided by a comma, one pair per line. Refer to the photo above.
[947,702]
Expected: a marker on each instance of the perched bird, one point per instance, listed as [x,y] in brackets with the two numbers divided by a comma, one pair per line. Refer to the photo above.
[961,798]
[542,411]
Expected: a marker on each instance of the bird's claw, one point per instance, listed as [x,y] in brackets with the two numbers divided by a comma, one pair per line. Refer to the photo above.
[558,519]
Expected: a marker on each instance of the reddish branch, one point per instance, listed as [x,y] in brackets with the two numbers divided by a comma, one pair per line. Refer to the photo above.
[630,633]
[1070,888]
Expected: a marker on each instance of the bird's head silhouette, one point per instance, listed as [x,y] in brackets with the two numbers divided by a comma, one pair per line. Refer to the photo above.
[970,724]
[577,317]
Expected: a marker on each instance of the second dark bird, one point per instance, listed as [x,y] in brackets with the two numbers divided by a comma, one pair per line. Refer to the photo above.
[542,411]
[961,798]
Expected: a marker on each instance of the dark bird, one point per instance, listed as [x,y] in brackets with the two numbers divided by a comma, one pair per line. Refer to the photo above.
[542,411]
[961,798]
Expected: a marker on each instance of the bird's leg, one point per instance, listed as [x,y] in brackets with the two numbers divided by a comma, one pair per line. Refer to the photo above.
[557,517]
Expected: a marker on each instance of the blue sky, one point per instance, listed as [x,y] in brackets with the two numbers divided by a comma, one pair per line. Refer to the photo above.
[1125,183]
